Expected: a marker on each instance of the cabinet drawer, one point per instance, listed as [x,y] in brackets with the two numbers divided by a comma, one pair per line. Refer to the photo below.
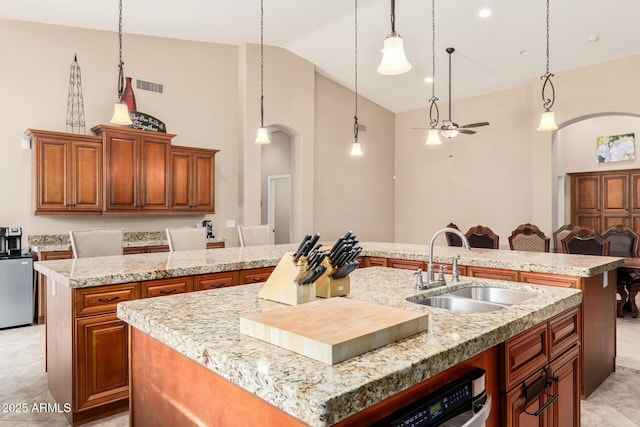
[48,256]
[153,249]
[564,331]
[216,280]
[215,245]
[102,300]
[372,261]
[524,354]
[164,287]
[132,250]
[405,264]
[490,273]
[255,275]
[550,280]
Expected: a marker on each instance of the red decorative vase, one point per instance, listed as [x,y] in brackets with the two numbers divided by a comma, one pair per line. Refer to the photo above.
[128,97]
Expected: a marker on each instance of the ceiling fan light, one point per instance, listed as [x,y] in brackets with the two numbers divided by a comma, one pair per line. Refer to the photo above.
[394,60]
[433,138]
[263,136]
[547,121]
[356,149]
[121,114]
[451,133]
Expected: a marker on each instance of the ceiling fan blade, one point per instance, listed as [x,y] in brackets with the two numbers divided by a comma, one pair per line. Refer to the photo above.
[475,125]
[467,131]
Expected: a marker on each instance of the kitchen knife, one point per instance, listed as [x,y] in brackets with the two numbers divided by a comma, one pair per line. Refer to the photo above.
[354,253]
[304,240]
[314,275]
[340,260]
[317,260]
[312,243]
[344,250]
[314,251]
[302,250]
[337,245]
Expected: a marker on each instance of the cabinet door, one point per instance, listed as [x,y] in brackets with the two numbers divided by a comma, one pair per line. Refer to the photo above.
[405,264]
[255,275]
[513,407]
[181,170]
[565,375]
[550,279]
[121,171]
[154,173]
[51,184]
[204,169]
[102,373]
[86,177]
[372,261]
[216,280]
[615,200]
[634,202]
[586,194]
[164,287]
[490,273]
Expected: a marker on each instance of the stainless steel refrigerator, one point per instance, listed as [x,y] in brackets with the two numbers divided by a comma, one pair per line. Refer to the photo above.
[16,291]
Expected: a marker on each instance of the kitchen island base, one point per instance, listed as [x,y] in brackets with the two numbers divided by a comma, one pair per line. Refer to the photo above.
[168,388]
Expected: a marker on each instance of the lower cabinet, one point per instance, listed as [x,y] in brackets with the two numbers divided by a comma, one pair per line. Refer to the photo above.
[102,374]
[541,387]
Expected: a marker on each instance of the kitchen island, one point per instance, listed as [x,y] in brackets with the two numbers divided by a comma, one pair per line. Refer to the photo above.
[87,345]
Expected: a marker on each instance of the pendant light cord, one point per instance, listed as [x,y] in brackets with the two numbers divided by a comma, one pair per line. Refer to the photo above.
[433,121]
[355,117]
[393,16]
[120,64]
[261,63]
[548,26]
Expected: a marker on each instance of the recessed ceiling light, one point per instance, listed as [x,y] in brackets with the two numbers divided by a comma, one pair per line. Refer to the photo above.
[524,52]
[428,79]
[485,13]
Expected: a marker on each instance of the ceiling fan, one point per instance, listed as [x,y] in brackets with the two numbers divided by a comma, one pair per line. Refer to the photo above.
[449,128]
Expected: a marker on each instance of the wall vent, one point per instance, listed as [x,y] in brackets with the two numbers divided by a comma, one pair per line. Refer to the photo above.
[150,86]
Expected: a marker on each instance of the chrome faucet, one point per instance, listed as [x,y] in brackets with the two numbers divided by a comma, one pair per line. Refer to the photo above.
[431,270]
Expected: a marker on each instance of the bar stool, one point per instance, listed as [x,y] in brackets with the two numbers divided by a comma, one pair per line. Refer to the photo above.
[96,242]
[253,235]
[186,239]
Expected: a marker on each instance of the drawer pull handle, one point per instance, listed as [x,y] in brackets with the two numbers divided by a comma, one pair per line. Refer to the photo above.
[533,391]
[168,291]
[257,279]
[108,299]
[543,407]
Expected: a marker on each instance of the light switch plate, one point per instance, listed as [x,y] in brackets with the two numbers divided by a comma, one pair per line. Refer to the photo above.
[231,223]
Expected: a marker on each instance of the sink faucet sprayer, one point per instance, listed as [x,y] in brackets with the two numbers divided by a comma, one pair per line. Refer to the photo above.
[431,271]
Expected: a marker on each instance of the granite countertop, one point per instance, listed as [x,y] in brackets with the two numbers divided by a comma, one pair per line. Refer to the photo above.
[204,326]
[134,239]
[86,272]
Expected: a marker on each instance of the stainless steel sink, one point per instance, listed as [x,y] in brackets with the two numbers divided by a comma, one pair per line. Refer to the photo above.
[463,305]
[494,295]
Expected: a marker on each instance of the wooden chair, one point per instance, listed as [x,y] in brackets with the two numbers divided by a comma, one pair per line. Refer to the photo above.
[528,237]
[624,242]
[96,242]
[560,234]
[186,239]
[453,239]
[482,237]
[253,235]
[585,241]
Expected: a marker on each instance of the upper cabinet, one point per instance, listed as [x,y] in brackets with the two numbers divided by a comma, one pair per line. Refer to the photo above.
[67,173]
[120,171]
[137,173]
[192,179]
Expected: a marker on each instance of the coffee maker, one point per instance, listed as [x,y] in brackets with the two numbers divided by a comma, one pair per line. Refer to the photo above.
[10,241]
[209,225]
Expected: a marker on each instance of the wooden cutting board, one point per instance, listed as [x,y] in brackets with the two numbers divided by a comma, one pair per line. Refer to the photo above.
[334,329]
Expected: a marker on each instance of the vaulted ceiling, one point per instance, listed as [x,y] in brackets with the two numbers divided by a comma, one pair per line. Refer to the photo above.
[488,54]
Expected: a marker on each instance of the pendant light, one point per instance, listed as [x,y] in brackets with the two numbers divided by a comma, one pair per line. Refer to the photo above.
[263,134]
[120,110]
[356,149]
[394,60]
[434,134]
[547,119]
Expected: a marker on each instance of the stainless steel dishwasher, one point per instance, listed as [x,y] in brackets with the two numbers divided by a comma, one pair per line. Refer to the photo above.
[16,290]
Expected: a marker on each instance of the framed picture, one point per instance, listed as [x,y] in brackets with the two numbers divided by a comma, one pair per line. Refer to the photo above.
[616,148]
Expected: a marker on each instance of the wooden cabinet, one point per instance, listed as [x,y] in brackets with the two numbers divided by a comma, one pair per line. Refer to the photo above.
[192,180]
[137,170]
[492,273]
[216,280]
[405,264]
[603,199]
[67,173]
[371,261]
[164,287]
[541,378]
[102,374]
[255,275]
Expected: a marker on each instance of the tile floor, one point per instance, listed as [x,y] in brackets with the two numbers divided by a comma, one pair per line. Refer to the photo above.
[23,382]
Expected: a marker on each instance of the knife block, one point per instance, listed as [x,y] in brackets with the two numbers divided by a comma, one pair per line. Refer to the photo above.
[282,285]
[328,287]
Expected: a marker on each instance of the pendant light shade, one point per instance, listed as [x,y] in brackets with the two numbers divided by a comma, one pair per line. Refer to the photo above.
[547,119]
[120,110]
[434,137]
[263,135]
[394,60]
[121,114]
[356,149]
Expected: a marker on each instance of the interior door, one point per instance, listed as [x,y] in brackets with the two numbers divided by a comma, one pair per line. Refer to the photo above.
[279,208]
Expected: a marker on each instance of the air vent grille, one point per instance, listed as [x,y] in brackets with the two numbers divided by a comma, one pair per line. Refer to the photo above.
[150,86]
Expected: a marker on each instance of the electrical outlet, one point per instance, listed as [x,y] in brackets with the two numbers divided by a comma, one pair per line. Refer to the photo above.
[231,223]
